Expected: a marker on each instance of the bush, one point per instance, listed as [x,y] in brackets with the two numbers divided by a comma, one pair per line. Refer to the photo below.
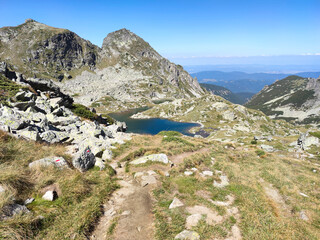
[84,112]
[177,140]
[254,142]
[260,152]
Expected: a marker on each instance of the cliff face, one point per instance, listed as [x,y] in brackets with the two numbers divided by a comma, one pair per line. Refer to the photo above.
[37,49]
[292,98]
[125,69]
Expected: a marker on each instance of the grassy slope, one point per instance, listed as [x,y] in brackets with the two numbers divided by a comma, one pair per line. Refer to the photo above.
[278,89]
[7,88]
[226,93]
[71,215]
[260,216]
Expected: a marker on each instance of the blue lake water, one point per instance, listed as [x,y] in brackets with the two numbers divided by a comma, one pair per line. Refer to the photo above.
[151,126]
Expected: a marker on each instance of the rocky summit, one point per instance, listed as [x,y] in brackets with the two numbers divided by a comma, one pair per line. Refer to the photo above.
[125,71]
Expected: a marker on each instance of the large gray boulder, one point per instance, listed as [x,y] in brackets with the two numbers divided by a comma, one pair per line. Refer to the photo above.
[84,160]
[51,136]
[29,134]
[13,119]
[59,162]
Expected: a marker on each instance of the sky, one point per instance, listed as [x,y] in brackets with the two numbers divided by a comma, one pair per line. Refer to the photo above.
[189,32]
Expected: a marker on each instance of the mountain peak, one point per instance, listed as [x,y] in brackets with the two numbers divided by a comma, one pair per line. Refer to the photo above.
[29,20]
[122,38]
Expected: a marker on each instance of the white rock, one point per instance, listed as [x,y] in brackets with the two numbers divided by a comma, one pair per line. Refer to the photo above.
[224,182]
[50,195]
[188,235]
[303,216]
[175,203]
[188,173]
[193,220]
[28,201]
[148,180]
[207,173]
[302,194]
[162,158]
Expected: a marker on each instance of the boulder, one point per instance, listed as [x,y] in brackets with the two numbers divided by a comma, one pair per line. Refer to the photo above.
[99,163]
[55,102]
[29,134]
[11,210]
[107,154]
[59,162]
[148,180]
[162,158]
[50,195]
[84,160]
[188,235]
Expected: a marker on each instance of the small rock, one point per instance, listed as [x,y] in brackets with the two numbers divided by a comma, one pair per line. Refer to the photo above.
[188,235]
[2,189]
[303,216]
[267,148]
[224,182]
[188,173]
[302,194]
[176,203]
[28,201]
[50,195]
[207,173]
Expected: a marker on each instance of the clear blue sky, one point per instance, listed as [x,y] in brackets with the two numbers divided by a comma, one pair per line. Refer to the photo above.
[185,29]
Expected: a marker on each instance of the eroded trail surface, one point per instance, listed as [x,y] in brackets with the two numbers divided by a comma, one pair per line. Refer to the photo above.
[128,213]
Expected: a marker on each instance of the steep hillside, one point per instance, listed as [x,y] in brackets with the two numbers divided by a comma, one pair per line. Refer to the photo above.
[36,49]
[130,74]
[292,98]
[237,98]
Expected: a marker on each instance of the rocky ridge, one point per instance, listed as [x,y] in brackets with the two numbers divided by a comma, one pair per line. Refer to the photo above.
[125,69]
[292,98]
[44,113]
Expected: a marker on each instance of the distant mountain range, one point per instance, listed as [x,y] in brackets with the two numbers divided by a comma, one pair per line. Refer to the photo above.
[238,82]
[237,98]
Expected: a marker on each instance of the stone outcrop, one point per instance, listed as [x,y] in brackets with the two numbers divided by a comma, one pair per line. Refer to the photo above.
[125,68]
[45,116]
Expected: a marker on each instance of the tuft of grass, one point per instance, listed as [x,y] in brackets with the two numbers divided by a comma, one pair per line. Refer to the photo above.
[260,152]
